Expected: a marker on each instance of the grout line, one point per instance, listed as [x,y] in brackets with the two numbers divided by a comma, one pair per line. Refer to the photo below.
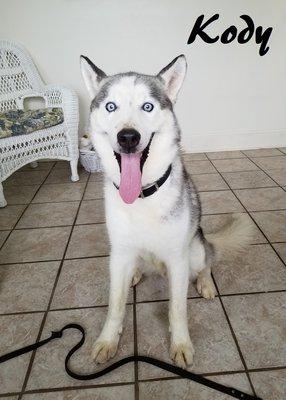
[9,394]
[215,171]
[64,183]
[58,259]
[136,387]
[234,337]
[215,159]
[250,211]
[103,222]
[214,374]
[138,302]
[167,378]
[8,314]
[240,188]
[50,300]
[56,226]
[207,374]
[70,388]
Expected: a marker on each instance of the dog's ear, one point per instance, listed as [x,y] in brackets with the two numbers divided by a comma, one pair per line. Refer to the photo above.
[173,76]
[92,75]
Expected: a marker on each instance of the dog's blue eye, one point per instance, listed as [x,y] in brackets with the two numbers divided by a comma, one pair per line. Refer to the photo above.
[147,107]
[110,106]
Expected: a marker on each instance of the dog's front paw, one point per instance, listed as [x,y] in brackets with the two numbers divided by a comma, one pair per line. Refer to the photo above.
[104,350]
[182,354]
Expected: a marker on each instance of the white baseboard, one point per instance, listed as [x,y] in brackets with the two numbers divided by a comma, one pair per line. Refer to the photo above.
[236,141]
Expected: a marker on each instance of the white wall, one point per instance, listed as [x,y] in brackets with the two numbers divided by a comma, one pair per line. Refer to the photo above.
[232,98]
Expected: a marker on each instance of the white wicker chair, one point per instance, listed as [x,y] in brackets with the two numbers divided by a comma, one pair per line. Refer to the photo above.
[20,79]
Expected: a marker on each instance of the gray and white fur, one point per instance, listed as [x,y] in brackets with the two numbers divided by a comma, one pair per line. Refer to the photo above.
[161,232]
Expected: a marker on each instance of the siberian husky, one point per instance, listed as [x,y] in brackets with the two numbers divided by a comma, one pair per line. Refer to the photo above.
[152,208]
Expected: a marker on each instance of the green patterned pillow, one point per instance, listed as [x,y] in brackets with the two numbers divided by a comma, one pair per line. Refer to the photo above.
[22,122]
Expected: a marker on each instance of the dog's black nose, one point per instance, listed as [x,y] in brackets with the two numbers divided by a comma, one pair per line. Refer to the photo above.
[128,139]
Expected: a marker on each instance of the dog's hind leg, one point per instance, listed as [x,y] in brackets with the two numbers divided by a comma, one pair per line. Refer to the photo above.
[122,264]
[136,277]
[205,285]
[201,258]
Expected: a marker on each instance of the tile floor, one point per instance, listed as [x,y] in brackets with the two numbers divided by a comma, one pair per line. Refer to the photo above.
[54,270]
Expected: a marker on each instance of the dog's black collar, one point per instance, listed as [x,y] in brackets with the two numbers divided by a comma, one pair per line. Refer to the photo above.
[152,189]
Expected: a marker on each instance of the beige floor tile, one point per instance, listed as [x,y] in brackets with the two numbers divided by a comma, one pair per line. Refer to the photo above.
[281,249]
[91,212]
[64,176]
[96,177]
[48,367]
[94,190]
[235,165]
[213,223]
[260,327]
[194,156]
[279,175]
[84,283]
[117,392]
[60,192]
[21,178]
[3,236]
[219,202]
[270,385]
[155,287]
[267,163]
[20,194]
[49,214]
[63,164]
[219,155]
[262,152]
[9,216]
[205,182]
[42,165]
[16,331]
[283,149]
[272,223]
[211,337]
[88,241]
[26,287]
[262,199]
[257,270]
[248,179]
[199,167]
[183,389]
[35,245]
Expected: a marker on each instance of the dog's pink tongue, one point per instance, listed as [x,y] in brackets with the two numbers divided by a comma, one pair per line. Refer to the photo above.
[130,182]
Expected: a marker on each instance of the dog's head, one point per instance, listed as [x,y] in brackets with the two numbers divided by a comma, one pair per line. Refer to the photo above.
[133,126]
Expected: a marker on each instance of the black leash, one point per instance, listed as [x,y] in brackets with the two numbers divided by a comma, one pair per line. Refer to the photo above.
[237,394]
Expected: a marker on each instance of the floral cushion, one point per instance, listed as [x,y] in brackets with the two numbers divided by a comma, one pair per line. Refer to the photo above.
[22,122]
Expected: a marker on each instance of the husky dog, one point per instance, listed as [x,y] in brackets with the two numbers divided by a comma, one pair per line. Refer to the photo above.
[152,207]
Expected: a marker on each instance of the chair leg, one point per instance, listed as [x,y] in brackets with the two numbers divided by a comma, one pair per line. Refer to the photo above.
[34,164]
[74,173]
[3,202]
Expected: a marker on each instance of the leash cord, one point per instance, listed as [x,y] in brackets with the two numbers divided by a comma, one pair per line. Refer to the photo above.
[237,394]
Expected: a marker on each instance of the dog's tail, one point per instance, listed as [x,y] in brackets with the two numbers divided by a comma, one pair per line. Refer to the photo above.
[233,238]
